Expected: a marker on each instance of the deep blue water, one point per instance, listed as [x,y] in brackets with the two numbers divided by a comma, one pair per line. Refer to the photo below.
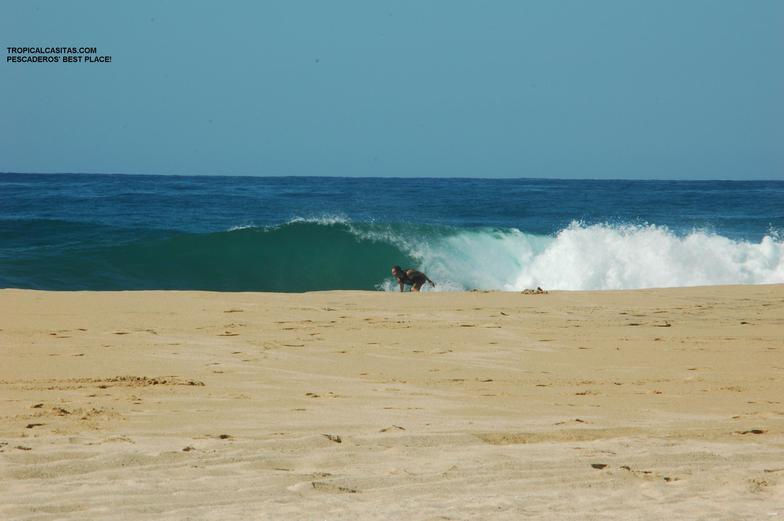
[295,234]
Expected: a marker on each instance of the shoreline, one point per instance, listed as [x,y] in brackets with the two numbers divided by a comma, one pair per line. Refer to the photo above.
[381,291]
[362,405]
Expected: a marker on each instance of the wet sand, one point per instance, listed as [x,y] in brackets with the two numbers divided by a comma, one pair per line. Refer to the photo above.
[653,404]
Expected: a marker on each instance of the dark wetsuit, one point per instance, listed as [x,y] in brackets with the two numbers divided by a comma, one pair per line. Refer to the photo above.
[415,279]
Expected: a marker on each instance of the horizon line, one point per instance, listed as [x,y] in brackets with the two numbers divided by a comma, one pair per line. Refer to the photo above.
[289,176]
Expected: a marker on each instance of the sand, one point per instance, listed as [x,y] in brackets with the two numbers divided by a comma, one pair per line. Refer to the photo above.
[653,404]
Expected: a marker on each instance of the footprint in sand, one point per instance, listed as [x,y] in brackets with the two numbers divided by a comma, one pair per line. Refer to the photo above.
[576,420]
[647,474]
[392,428]
[328,487]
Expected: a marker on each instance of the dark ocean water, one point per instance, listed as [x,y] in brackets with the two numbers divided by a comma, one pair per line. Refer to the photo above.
[67,232]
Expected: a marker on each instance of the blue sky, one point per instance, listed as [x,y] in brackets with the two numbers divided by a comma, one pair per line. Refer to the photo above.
[669,89]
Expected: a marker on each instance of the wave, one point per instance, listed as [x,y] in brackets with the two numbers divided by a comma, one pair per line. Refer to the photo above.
[332,252]
[600,257]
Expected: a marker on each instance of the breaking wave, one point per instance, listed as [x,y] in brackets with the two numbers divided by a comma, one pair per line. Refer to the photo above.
[335,253]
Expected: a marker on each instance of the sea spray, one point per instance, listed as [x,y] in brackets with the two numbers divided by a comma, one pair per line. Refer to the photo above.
[596,257]
[629,257]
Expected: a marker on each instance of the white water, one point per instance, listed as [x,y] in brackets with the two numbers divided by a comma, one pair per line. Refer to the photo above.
[594,257]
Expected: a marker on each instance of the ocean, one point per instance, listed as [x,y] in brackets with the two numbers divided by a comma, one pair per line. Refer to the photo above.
[293,234]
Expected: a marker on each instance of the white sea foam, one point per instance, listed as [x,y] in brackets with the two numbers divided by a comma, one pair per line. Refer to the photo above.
[241,227]
[595,257]
[326,219]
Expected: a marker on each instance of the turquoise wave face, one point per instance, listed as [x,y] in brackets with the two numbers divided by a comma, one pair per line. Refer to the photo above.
[294,257]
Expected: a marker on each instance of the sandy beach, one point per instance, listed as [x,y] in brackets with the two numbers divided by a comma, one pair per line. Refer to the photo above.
[651,404]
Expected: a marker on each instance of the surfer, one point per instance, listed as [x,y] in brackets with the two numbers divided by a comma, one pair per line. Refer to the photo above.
[415,279]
